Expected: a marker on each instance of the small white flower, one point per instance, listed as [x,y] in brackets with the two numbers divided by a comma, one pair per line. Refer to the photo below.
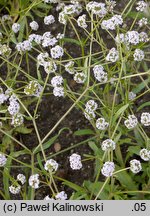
[17,120]
[97,8]
[141,6]
[69,67]
[60,36]
[48,198]
[80,77]
[57,81]
[51,165]
[34,181]
[42,57]
[100,74]
[135,166]
[33,89]
[15,189]
[91,106]
[145,154]
[3,159]
[131,122]
[49,20]
[120,38]
[57,52]
[108,144]
[81,21]
[21,178]
[89,114]
[16,27]
[13,107]
[142,22]
[138,55]
[108,169]
[34,25]
[61,196]
[143,37]
[113,55]
[131,95]
[101,124]
[145,119]
[58,91]
[132,37]
[75,162]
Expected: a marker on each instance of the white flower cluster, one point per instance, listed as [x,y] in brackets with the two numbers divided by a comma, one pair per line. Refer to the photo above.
[131,122]
[34,181]
[57,52]
[101,124]
[142,22]
[108,144]
[17,120]
[51,1]
[112,23]
[69,67]
[48,198]
[51,165]
[3,96]
[16,27]
[56,82]
[145,119]
[141,6]
[135,166]
[110,5]
[33,89]
[90,108]
[75,161]
[100,74]
[108,169]
[13,109]
[59,196]
[97,8]
[49,19]
[143,37]
[80,77]
[69,10]
[34,25]
[43,59]
[15,189]
[14,106]
[5,50]
[35,38]
[6,18]
[113,55]
[131,95]
[145,154]
[48,39]
[26,45]
[138,55]
[3,159]
[21,178]
[81,21]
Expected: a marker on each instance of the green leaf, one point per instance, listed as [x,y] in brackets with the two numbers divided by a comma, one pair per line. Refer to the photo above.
[125,180]
[83,132]
[23,130]
[134,150]
[94,188]
[141,86]
[48,144]
[119,112]
[70,40]
[143,105]
[19,153]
